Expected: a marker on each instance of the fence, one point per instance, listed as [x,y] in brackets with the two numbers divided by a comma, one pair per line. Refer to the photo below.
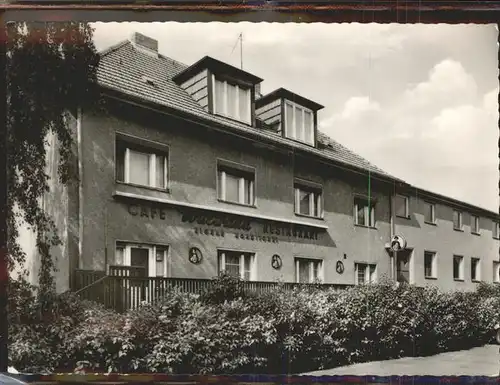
[126,287]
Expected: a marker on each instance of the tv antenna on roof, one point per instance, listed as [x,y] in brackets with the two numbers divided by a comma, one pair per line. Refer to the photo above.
[240,40]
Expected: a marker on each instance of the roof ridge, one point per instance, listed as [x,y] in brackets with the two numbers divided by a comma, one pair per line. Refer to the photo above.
[164,57]
[114,47]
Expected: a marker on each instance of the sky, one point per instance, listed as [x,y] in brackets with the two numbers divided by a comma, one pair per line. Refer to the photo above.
[418,101]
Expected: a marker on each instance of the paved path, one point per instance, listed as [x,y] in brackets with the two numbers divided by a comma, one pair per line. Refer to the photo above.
[482,361]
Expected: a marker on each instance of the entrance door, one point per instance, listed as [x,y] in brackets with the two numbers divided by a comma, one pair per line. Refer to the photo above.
[139,257]
[403,266]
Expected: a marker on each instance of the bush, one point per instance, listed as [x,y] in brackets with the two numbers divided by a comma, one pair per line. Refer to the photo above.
[224,288]
[38,328]
[229,330]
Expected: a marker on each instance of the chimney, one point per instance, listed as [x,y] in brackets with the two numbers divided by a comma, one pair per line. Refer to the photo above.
[258,93]
[141,41]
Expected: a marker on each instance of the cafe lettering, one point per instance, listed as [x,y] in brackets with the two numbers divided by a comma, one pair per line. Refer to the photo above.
[147,212]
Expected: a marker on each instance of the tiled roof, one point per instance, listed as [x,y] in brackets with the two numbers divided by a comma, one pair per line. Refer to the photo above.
[122,68]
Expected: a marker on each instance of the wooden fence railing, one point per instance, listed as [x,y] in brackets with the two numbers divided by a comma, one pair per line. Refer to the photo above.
[127,287]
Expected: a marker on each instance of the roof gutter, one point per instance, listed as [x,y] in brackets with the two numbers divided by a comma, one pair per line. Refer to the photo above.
[109,92]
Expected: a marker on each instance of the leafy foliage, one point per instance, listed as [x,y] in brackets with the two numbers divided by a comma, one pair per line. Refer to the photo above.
[39,326]
[50,70]
[274,332]
[224,288]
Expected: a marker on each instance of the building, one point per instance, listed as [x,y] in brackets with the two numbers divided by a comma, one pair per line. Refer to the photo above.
[188,170]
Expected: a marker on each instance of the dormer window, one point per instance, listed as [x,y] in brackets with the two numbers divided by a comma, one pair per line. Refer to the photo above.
[232,100]
[299,123]
[221,89]
[289,115]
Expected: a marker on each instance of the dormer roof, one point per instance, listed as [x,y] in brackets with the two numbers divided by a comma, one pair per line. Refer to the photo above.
[216,66]
[289,95]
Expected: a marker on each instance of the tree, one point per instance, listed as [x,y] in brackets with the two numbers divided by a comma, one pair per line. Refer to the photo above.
[51,68]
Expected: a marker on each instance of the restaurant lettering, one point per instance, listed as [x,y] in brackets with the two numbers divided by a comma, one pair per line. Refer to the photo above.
[290,231]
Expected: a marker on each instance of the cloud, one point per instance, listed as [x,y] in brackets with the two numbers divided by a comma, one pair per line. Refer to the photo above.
[490,103]
[441,125]
[448,83]
[359,106]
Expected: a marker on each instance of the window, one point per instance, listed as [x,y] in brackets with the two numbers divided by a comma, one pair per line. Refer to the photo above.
[457,220]
[308,270]
[237,264]
[496,272]
[474,224]
[364,212]
[299,123]
[152,258]
[364,273]
[475,269]
[458,267]
[236,186]
[430,269]
[232,101]
[496,230]
[139,165]
[308,200]
[429,212]
[401,203]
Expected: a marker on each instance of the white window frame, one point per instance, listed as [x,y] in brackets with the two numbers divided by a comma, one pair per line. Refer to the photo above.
[369,208]
[461,275]
[496,271]
[366,266]
[241,187]
[434,272]
[127,246]
[478,269]
[407,206]
[310,262]
[243,255]
[460,220]
[475,224]
[152,168]
[291,130]
[433,213]
[496,229]
[237,101]
[317,200]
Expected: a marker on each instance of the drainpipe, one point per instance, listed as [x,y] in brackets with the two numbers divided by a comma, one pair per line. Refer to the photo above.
[393,232]
[106,267]
[80,187]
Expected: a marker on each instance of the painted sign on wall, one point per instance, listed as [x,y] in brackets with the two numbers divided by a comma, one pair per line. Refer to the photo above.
[217,224]
[217,220]
[147,211]
[291,231]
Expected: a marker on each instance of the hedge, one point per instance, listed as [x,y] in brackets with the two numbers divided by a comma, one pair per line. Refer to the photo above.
[228,330]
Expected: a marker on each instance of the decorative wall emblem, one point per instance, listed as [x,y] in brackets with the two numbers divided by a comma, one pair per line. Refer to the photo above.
[195,255]
[339,267]
[398,243]
[276,262]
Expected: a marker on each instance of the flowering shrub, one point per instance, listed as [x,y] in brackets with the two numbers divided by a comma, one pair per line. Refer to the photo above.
[228,330]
